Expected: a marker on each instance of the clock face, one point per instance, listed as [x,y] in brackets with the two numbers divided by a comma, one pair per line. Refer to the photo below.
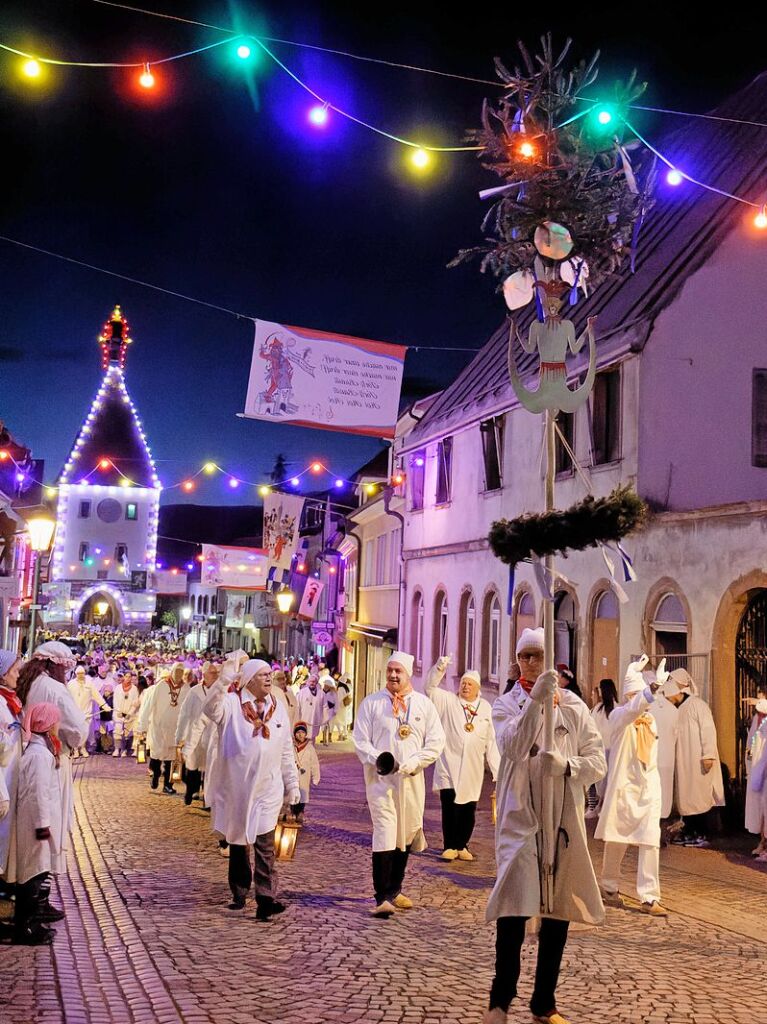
[109,510]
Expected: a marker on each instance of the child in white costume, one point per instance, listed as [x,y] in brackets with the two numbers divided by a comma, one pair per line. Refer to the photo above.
[308,766]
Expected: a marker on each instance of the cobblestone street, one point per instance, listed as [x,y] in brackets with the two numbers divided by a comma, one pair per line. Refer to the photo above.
[148,938]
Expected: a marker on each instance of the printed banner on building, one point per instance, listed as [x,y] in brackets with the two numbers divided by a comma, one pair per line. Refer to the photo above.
[235,611]
[315,379]
[282,519]
[235,567]
[311,599]
[55,601]
[166,581]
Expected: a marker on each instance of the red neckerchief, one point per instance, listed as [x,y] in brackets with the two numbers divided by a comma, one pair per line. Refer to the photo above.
[526,686]
[53,743]
[398,701]
[250,713]
[10,698]
[300,746]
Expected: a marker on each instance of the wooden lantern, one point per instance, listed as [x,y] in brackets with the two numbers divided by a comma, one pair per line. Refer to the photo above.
[175,771]
[285,839]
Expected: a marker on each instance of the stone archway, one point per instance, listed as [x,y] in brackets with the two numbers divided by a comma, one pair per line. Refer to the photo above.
[93,613]
[732,607]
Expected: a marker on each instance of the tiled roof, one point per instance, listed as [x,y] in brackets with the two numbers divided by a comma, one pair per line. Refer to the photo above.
[679,236]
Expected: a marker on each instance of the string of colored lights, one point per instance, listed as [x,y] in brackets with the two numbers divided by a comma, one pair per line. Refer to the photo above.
[209,468]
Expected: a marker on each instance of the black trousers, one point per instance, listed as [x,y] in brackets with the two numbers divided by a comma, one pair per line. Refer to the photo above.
[155,764]
[696,824]
[510,934]
[389,873]
[263,875]
[31,899]
[457,820]
[193,783]
[297,808]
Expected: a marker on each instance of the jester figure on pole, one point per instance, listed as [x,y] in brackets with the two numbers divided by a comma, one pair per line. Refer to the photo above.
[565,218]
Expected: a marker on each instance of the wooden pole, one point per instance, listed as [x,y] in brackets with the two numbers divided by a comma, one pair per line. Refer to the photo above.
[548,824]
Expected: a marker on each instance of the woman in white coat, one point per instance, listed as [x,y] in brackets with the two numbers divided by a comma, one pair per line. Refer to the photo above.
[577,762]
[10,749]
[158,719]
[38,825]
[312,705]
[42,680]
[756,753]
[397,735]
[631,809]
[460,771]
[255,771]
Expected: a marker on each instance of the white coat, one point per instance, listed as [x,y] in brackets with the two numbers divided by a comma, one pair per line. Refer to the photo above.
[343,716]
[667,721]
[288,700]
[38,806]
[756,761]
[158,718]
[461,765]
[696,793]
[125,707]
[73,731]
[9,771]
[631,808]
[194,729]
[518,729]
[311,709]
[85,694]
[308,767]
[396,801]
[252,774]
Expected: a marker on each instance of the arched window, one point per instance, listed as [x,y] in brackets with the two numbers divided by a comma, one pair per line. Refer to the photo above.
[524,618]
[490,648]
[605,625]
[205,605]
[439,630]
[466,632]
[199,604]
[669,627]
[416,631]
[565,624]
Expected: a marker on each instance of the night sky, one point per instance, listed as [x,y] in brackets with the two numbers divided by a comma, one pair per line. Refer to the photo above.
[215,186]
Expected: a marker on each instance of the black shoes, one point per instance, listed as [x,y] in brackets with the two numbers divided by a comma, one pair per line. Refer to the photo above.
[51,913]
[33,934]
[169,790]
[155,782]
[268,908]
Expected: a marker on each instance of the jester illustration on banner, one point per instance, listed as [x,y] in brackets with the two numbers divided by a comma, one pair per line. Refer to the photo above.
[282,519]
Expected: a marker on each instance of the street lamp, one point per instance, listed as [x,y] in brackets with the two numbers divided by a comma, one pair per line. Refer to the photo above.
[284,604]
[40,529]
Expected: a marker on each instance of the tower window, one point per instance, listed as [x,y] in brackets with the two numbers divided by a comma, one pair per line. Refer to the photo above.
[85,510]
[84,547]
[131,510]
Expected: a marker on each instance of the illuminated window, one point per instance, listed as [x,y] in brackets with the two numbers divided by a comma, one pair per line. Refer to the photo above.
[131,510]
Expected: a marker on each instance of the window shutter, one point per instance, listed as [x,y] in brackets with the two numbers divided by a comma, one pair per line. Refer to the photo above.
[759,419]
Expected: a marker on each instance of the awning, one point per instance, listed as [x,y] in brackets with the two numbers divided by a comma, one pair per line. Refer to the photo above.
[386,634]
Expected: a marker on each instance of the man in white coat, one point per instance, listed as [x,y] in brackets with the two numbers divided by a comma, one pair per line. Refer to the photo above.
[631,809]
[312,705]
[86,695]
[125,704]
[158,719]
[397,734]
[194,730]
[255,771]
[467,719]
[576,763]
[698,784]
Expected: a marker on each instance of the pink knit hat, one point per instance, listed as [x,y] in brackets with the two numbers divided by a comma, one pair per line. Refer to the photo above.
[40,718]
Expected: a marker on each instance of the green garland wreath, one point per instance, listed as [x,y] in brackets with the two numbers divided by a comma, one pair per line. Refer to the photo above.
[583,525]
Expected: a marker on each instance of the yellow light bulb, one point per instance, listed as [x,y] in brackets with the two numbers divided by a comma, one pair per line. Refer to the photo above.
[420,159]
[527,150]
[264,491]
[210,467]
[31,68]
[760,220]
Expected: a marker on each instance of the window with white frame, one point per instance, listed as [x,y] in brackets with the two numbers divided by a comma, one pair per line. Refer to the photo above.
[368,564]
[494,651]
[491,432]
[350,584]
[381,565]
[416,476]
[468,634]
[444,471]
[395,546]
[439,631]
[416,630]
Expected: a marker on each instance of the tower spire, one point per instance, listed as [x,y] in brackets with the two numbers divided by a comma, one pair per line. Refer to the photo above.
[114,340]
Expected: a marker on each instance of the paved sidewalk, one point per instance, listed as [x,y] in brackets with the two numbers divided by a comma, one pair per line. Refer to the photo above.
[148,938]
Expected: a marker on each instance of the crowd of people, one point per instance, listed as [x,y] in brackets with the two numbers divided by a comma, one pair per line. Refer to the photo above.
[243,732]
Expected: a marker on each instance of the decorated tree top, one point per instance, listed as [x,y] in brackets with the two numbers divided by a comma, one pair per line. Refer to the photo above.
[566,173]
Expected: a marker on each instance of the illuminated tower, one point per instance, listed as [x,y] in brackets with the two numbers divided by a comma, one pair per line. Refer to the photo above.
[109,499]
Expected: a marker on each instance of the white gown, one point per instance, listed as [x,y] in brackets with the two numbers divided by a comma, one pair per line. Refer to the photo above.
[396,801]
[667,721]
[311,709]
[518,729]
[9,770]
[694,791]
[461,765]
[194,729]
[756,752]
[252,774]
[158,718]
[38,806]
[631,809]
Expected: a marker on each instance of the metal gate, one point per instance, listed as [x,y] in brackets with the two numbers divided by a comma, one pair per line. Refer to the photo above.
[750,670]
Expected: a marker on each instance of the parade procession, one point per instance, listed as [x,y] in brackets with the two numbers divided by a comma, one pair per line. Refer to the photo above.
[407,681]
